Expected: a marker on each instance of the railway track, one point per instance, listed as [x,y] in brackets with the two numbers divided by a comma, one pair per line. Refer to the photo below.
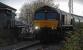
[39,46]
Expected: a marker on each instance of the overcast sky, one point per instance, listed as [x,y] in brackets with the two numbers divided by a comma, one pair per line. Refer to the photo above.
[63,5]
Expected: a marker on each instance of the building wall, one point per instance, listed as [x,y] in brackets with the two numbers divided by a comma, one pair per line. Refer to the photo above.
[7,18]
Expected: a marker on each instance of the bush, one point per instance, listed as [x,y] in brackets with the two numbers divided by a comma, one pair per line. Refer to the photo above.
[72,43]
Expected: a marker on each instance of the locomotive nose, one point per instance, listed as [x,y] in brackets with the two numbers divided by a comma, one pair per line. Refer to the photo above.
[52,24]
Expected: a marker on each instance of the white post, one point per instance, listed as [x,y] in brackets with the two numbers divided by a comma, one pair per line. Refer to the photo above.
[70,4]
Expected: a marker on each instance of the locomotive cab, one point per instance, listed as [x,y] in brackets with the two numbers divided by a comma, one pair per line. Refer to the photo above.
[46,17]
[47,23]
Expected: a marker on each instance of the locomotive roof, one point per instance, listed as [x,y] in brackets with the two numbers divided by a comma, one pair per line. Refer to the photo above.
[45,8]
[48,8]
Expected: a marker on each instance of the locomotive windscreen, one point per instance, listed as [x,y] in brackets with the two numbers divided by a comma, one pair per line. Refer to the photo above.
[46,13]
[52,15]
[40,16]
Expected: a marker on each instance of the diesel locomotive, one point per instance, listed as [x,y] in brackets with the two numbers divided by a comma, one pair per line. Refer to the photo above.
[47,22]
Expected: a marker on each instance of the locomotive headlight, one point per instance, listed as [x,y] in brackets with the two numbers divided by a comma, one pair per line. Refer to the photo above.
[36,27]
